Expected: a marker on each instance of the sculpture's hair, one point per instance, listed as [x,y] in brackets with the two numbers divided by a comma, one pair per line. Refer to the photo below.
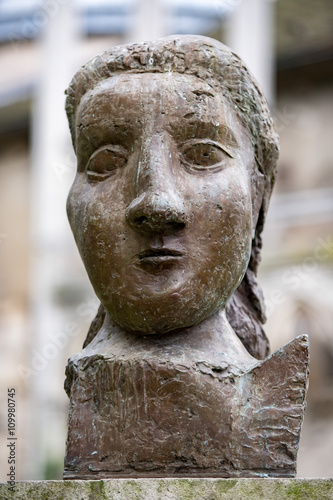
[216,64]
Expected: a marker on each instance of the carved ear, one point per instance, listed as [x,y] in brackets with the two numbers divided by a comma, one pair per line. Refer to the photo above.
[257,194]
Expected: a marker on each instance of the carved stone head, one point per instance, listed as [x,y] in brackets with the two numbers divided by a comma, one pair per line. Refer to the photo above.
[176,158]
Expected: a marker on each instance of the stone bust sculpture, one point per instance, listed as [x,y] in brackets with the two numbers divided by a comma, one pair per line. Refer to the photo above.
[176,162]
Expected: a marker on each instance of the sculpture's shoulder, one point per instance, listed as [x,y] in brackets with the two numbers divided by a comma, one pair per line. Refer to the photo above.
[272,402]
[288,361]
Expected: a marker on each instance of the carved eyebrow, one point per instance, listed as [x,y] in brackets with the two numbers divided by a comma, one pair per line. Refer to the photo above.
[93,129]
[92,136]
[202,129]
[228,136]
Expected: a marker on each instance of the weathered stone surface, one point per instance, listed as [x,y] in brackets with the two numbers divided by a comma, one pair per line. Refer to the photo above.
[173,489]
[148,416]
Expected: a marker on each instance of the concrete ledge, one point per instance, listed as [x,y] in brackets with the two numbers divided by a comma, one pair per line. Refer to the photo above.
[173,489]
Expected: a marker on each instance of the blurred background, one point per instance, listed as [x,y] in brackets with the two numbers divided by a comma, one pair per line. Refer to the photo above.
[46,301]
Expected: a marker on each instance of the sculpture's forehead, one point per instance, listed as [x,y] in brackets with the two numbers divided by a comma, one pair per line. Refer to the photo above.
[172,90]
[135,105]
[153,100]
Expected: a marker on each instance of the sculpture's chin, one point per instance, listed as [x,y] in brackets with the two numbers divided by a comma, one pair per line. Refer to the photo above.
[153,326]
[156,322]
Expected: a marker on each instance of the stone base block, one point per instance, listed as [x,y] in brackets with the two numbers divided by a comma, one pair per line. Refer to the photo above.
[172,489]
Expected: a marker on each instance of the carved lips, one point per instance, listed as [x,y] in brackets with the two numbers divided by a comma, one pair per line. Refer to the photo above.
[159,258]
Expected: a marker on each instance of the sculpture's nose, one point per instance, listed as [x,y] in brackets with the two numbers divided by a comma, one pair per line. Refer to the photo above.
[156,212]
[158,207]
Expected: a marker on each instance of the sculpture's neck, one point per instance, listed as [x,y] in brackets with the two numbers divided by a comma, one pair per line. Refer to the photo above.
[212,341]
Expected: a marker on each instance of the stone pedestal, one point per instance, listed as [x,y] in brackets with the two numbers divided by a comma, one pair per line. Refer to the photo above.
[173,489]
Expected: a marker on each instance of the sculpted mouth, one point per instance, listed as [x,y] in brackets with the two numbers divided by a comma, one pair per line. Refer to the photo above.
[159,255]
[156,260]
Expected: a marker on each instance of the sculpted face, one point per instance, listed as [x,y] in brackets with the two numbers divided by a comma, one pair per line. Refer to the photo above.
[161,204]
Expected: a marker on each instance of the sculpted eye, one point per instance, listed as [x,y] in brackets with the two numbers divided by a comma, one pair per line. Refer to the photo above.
[205,154]
[106,161]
